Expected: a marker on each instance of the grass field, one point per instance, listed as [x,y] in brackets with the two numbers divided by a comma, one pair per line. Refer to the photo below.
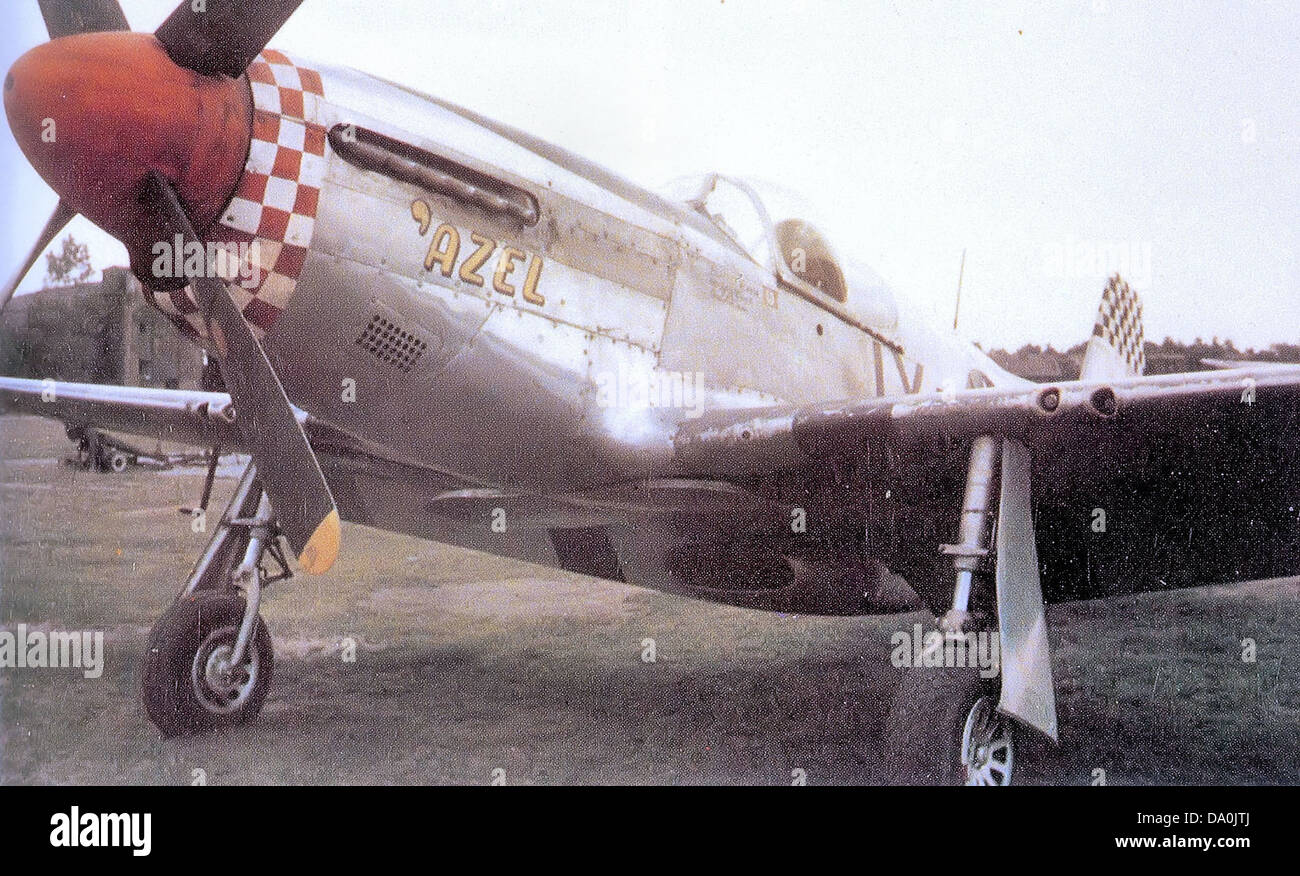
[467,664]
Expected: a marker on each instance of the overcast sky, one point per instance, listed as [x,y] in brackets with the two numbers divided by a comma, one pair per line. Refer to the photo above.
[1163,136]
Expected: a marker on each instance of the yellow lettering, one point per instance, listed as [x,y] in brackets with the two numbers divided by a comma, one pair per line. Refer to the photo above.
[469,269]
[505,265]
[420,213]
[530,282]
[443,249]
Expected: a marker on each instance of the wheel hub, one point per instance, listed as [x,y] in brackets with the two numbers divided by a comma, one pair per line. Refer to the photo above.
[223,688]
[987,749]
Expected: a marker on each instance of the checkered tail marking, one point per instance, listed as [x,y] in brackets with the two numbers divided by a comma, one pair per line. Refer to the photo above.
[1119,323]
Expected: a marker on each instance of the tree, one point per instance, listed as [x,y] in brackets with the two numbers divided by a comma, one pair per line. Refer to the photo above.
[70,265]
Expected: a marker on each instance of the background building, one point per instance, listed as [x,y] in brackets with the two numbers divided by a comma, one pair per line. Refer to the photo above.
[101,332]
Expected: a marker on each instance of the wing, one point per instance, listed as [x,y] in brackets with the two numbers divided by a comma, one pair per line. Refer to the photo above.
[1086,422]
[202,419]
[1198,475]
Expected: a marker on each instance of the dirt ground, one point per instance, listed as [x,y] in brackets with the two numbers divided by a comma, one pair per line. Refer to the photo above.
[470,667]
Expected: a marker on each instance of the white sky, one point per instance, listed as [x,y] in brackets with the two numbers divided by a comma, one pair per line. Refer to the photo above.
[1019,131]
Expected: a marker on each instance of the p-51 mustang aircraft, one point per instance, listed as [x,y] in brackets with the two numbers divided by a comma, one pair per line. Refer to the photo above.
[434,324]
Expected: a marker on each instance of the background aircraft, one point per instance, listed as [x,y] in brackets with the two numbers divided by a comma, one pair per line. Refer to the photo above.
[435,324]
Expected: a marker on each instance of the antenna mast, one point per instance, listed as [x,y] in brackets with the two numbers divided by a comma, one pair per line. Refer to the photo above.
[960,276]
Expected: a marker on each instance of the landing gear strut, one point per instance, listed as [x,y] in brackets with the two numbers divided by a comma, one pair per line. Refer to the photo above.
[209,659]
[944,727]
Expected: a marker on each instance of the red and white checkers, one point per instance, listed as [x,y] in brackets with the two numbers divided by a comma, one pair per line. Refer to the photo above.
[272,215]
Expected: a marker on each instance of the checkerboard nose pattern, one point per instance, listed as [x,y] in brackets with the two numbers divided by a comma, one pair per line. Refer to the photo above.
[273,213]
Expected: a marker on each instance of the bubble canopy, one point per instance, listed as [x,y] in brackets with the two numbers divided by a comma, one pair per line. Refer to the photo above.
[778,229]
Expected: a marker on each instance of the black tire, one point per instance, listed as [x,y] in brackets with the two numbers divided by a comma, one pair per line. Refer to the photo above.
[923,734]
[177,697]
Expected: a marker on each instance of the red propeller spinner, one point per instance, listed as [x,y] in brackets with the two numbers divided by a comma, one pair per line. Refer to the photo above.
[95,113]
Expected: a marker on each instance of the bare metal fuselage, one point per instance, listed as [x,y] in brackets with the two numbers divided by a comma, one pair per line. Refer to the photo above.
[517,387]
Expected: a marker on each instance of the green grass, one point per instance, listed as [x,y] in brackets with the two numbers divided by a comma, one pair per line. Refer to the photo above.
[468,663]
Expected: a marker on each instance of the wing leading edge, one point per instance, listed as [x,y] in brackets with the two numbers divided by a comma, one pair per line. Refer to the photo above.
[201,419]
[1068,416]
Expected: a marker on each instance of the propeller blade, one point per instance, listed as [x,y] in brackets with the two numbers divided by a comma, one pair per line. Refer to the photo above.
[285,462]
[223,39]
[61,216]
[64,17]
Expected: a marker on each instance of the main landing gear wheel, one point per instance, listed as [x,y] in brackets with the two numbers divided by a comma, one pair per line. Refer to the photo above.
[188,680]
[944,729]
[988,745]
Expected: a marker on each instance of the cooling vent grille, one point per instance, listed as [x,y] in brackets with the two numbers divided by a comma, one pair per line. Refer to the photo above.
[389,343]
